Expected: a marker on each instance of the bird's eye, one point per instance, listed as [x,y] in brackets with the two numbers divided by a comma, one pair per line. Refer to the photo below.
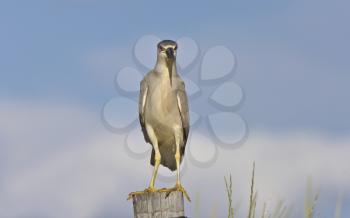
[161,48]
[175,48]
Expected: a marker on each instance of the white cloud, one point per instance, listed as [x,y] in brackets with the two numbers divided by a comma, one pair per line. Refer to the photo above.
[92,176]
[31,128]
[283,164]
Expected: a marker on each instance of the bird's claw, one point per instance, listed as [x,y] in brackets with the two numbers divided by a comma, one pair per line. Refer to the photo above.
[147,190]
[180,188]
[150,190]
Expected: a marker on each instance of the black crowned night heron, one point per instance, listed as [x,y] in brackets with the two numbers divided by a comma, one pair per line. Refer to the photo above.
[163,114]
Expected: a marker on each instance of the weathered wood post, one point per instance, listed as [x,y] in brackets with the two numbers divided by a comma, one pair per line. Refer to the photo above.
[159,205]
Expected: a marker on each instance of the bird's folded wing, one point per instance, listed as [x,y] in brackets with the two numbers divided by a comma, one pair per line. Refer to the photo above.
[182,103]
[142,103]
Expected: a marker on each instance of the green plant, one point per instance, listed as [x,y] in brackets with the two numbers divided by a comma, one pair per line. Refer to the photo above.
[281,210]
[252,197]
[229,196]
[310,200]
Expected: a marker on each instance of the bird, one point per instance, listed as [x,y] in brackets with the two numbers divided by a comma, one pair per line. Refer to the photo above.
[164,114]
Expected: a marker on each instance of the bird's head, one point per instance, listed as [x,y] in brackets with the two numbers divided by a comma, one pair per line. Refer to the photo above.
[167,50]
[167,53]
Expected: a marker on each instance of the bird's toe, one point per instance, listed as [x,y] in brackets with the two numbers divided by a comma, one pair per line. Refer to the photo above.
[147,190]
[180,188]
[150,190]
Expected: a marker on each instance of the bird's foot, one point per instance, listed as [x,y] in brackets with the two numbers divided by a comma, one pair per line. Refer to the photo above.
[150,190]
[180,188]
[147,190]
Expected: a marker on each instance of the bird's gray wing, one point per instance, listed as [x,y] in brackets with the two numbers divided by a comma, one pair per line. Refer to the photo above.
[182,103]
[142,104]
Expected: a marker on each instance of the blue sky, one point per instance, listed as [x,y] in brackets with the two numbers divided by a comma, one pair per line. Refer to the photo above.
[296,47]
[58,60]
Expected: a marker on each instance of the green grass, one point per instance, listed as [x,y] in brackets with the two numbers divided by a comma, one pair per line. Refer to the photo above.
[229,196]
[281,210]
[253,196]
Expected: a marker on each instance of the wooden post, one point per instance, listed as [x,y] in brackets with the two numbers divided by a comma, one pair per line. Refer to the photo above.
[159,205]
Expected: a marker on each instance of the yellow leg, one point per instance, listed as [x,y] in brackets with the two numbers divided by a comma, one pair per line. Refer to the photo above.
[151,187]
[178,186]
[157,159]
[177,158]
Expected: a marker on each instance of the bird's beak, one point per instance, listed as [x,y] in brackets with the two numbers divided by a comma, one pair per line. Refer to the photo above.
[170,61]
[170,53]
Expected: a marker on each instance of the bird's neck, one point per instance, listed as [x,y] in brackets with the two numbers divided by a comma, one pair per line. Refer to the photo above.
[161,68]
